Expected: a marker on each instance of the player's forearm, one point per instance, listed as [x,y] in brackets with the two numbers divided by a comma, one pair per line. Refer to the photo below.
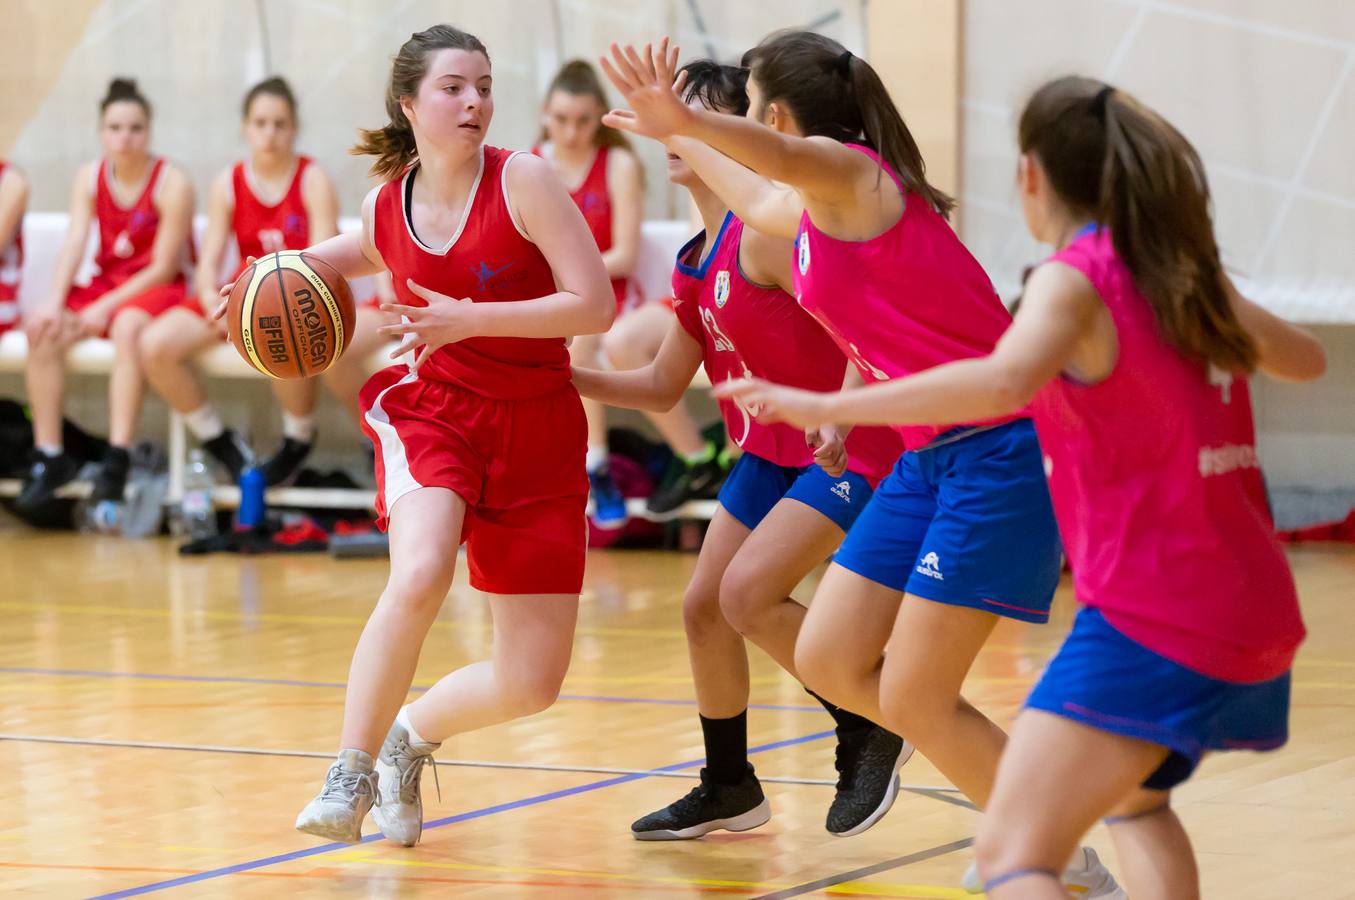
[962,391]
[562,314]
[640,388]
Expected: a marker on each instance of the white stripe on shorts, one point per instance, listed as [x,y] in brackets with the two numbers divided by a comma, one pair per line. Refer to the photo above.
[399,479]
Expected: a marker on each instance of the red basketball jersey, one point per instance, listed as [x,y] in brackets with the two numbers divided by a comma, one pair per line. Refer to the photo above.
[11,265]
[488,260]
[594,201]
[260,228]
[126,233]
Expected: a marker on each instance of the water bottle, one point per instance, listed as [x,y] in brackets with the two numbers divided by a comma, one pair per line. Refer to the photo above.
[251,511]
[103,517]
[196,510]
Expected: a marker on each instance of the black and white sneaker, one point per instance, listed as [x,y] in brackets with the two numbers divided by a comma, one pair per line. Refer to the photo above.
[284,465]
[699,482]
[230,450]
[46,474]
[868,763]
[708,807]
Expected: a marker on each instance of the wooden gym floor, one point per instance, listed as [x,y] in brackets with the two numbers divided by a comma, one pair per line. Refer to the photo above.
[163,720]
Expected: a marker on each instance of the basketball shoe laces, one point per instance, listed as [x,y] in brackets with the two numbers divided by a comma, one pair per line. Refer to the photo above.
[411,766]
[342,785]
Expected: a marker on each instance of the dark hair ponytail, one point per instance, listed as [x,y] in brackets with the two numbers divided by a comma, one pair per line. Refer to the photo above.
[393,144]
[124,89]
[833,93]
[1114,160]
[276,86]
[578,78]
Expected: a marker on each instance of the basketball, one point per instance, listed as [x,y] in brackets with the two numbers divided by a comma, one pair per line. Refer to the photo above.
[290,315]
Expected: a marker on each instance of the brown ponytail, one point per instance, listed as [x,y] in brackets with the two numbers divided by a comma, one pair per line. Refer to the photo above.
[1117,162]
[393,144]
[578,78]
[124,89]
[834,93]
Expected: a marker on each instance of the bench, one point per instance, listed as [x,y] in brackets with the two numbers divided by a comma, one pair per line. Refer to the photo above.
[43,233]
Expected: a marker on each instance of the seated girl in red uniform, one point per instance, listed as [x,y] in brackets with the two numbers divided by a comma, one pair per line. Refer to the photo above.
[13,201]
[144,208]
[273,200]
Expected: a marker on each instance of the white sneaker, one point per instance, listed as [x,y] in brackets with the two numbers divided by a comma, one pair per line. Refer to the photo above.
[399,814]
[1085,879]
[349,792]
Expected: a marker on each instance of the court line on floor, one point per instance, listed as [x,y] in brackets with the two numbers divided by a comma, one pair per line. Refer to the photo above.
[810,887]
[339,685]
[934,791]
[436,823]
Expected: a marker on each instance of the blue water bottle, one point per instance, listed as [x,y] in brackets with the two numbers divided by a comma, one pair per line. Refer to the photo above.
[251,512]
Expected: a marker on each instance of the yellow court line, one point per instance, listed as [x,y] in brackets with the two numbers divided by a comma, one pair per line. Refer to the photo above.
[846,888]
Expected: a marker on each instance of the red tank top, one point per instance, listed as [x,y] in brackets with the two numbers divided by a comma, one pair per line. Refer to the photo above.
[260,228]
[126,233]
[488,260]
[594,201]
[748,329]
[11,265]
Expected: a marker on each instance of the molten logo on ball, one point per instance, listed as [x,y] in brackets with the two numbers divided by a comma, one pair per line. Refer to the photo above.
[310,327]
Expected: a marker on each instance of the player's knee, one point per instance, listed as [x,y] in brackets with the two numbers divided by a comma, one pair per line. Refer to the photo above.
[817,664]
[743,596]
[701,611]
[126,334]
[620,349]
[1001,847]
[157,349]
[535,691]
[419,590]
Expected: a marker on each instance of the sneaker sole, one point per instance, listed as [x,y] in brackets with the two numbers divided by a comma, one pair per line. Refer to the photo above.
[891,795]
[376,819]
[758,815]
[344,837]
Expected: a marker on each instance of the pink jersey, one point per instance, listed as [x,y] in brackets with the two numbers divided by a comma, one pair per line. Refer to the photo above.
[904,301]
[1158,494]
[489,260]
[748,329]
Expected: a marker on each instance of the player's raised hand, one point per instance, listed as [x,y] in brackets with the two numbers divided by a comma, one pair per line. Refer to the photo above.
[646,80]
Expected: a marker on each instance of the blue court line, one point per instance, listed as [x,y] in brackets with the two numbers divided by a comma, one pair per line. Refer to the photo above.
[436,823]
[288,682]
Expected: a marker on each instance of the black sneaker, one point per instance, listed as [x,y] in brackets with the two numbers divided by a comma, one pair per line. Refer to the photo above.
[699,482]
[708,807]
[230,449]
[868,763]
[46,474]
[283,466]
[111,481]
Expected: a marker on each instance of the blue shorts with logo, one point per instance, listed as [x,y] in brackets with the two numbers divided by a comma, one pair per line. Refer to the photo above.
[967,521]
[755,485]
[1103,679]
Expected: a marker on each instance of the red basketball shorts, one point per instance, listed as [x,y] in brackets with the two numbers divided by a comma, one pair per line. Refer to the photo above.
[154,301]
[518,465]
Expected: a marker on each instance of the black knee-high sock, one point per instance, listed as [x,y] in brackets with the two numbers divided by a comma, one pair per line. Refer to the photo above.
[845,719]
[726,748]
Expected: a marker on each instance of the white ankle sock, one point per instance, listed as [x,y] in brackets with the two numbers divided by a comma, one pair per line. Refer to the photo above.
[298,428]
[596,457]
[402,718]
[51,451]
[204,422]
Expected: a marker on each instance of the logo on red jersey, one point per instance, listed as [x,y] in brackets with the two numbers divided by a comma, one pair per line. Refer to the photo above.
[485,275]
[803,255]
[721,288]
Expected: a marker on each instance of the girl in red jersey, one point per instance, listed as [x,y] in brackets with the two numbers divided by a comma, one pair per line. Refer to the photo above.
[275,200]
[143,206]
[493,265]
[606,181]
[787,504]
[13,201]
